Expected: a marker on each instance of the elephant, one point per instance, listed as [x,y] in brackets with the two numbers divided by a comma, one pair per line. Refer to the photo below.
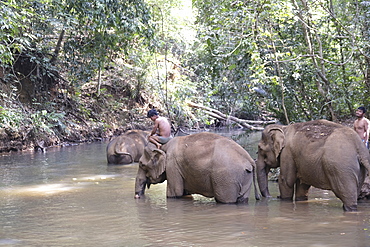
[203,163]
[127,148]
[316,153]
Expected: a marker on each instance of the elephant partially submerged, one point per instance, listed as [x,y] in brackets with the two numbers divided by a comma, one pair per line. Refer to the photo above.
[203,163]
[318,153]
[127,148]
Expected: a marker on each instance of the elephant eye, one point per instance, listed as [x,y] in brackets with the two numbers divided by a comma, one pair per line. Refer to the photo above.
[261,146]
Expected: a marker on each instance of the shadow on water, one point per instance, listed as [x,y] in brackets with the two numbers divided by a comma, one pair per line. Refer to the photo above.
[70,197]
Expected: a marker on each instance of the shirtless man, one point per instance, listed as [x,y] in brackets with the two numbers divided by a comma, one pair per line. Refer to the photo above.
[161,132]
[361,125]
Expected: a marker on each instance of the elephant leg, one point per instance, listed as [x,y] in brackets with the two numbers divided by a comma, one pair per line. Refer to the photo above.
[287,177]
[175,186]
[346,189]
[352,208]
[286,190]
[230,193]
[301,191]
[225,193]
[246,188]
[229,187]
[349,202]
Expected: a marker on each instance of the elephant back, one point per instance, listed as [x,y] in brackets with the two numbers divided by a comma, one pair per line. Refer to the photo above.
[207,146]
[139,136]
[234,154]
[317,130]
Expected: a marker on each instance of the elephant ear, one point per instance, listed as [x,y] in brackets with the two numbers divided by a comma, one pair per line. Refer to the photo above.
[278,140]
[153,161]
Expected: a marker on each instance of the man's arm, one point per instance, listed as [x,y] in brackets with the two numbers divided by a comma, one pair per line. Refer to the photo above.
[366,127]
[154,130]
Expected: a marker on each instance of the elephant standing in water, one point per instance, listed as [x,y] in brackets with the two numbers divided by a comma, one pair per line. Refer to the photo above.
[203,163]
[320,153]
[127,148]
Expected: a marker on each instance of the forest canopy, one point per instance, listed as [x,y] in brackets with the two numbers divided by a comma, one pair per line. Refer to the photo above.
[293,60]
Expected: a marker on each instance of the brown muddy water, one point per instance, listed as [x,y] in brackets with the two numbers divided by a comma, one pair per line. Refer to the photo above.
[70,197]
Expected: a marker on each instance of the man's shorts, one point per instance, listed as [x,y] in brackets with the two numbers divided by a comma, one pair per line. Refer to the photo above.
[164,140]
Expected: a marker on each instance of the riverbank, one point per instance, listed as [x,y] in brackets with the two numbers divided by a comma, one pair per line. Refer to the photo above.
[70,117]
[95,119]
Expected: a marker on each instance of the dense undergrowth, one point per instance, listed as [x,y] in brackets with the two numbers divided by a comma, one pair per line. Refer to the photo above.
[71,116]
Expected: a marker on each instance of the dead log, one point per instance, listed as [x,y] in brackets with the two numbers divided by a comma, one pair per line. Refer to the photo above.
[219,115]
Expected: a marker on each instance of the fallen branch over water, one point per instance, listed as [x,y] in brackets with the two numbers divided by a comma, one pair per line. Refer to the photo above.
[221,116]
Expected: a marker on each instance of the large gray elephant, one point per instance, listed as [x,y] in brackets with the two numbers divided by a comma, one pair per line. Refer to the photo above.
[127,148]
[203,163]
[318,153]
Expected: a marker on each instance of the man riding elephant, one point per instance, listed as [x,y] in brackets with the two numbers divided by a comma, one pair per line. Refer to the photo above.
[161,132]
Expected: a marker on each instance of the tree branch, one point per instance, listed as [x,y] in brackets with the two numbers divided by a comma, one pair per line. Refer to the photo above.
[219,115]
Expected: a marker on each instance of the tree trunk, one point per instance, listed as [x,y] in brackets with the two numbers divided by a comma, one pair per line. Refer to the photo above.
[99,82]
[57,47]
[311,36]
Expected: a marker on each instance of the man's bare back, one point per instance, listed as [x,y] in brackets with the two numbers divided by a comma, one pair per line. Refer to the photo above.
[163,127]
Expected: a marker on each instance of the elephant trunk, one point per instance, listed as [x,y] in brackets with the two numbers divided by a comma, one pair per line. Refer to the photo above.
[256,193]
[262,172]
[140,183]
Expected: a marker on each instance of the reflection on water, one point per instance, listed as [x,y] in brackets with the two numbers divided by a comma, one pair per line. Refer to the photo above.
[70,197]
[37,190]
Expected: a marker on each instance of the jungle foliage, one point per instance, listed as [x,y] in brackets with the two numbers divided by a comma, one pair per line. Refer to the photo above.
[311,58]
[295,60]
[50,49]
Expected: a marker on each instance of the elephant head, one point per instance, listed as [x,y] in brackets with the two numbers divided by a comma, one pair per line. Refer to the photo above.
[152,169]
[269,150]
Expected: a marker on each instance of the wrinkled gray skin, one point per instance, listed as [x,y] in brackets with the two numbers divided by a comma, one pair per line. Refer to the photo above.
[203,163]
[365,190]
[318,153]
[127,148]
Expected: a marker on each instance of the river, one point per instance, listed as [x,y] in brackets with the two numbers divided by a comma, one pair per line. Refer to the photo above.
[68,196]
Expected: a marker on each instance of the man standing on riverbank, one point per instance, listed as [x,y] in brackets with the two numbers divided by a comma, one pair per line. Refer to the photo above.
[161,132]
[361,125]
